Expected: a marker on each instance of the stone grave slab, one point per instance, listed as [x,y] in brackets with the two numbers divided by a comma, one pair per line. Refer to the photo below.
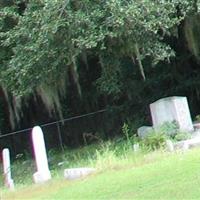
[172,109]
[76,173]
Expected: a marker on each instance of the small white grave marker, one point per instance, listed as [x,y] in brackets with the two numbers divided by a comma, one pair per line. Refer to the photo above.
[170,145]
[43,174]
[76,173]
[136,147]
[185,146]
[6,169]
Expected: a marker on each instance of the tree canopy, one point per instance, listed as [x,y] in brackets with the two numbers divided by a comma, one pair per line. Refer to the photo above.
[49,37]
[43,43]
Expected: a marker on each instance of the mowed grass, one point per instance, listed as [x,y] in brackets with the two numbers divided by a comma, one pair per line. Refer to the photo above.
[156,175]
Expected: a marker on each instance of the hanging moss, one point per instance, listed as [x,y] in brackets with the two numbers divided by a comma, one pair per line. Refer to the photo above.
[10,109]
[137,52]
[192,34]
[14,108]
[75,76]
[17,108]
[51,95]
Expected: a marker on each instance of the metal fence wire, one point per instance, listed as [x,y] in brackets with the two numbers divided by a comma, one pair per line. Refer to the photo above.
[70,132]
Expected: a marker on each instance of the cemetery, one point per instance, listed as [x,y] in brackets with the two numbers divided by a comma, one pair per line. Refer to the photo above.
[166,110]
[99,99]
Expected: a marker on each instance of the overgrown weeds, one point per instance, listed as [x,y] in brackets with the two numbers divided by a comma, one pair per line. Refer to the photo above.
[114,154]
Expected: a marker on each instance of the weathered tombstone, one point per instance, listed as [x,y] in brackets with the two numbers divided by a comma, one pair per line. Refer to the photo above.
[136,147]
[185,146]
[188,144]
[172,109]
[76,173]
[43,174]
[144,131]
[7,169]
[196,125]
[170,146]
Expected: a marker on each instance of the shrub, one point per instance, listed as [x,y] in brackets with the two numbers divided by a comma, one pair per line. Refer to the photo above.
[129,134]
[126,131]
[155,140]
[197,118]
[182,136]
[170,129]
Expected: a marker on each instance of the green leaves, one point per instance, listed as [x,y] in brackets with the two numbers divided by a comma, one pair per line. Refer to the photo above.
[51,34]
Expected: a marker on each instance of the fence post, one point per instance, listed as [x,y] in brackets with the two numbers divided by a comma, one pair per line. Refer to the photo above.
[60,136]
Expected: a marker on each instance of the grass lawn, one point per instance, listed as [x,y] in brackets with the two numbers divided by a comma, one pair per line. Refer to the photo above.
[157,175]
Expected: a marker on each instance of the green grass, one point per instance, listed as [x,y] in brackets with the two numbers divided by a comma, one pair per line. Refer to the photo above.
[23,167]
[121,174]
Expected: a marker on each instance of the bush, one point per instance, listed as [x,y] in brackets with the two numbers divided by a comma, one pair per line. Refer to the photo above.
[182,136]
[170,129]
[155,140]
[127,131]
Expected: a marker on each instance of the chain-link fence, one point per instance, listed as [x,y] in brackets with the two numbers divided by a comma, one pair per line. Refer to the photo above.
[70,132]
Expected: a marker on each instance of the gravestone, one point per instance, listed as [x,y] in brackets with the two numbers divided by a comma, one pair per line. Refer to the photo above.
[43,174]
[170,146]
[144,131]
[8,181]
[136,147]
[188,144]
[172,109]
[76,173]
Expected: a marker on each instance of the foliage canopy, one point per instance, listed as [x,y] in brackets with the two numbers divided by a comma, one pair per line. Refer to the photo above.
[48,38]
[46,45]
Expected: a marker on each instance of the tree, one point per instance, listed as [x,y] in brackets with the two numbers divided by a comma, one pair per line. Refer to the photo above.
[50,38]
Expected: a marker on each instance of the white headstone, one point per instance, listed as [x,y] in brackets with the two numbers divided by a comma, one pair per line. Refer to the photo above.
[136,147]
[170,145]
[76,173]
[172,109]
[186,146]
[7,169]
[144,131]
[43,174]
